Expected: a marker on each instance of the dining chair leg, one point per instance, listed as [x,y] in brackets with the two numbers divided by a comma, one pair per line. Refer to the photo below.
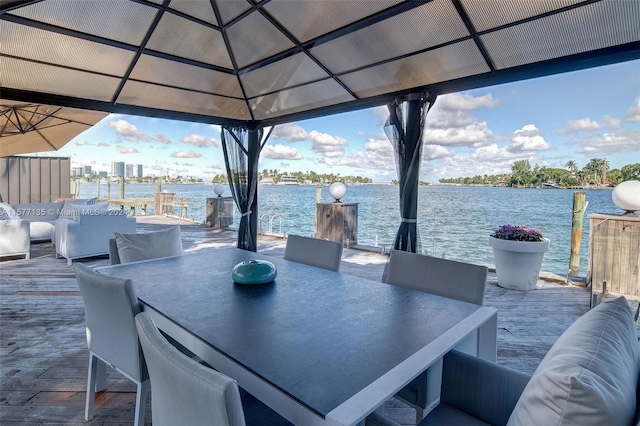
[141,402]
[101,375]
[90,403]
[419,414]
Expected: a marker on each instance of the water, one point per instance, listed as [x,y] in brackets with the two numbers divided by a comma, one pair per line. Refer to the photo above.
[453,221]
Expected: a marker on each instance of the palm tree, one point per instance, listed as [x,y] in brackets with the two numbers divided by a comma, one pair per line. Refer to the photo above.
[572,166]
[597,167]
[519,171]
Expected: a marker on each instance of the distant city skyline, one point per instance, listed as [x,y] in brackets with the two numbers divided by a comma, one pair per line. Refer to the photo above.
[593,113]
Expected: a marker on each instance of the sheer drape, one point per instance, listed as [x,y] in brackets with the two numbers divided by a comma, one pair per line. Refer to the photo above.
[241,147]
[405,129]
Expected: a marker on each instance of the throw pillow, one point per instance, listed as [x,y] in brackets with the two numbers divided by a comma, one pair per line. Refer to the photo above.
[67,212]
[151,245]
[589,376]
[77,210]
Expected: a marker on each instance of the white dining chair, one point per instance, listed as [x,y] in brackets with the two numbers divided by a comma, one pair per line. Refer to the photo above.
[185,392]
[314,252]
[110,306]
[443,277]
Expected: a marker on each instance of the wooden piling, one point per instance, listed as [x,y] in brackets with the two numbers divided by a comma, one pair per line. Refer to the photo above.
[315,221]
[579,206]
[98,189]
[108,188]
[121,188]
[159,185]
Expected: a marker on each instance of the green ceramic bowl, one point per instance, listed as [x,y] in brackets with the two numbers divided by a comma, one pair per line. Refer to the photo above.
[254,272]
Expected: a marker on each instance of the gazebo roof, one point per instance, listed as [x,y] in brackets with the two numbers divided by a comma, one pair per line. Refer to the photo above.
[276,61]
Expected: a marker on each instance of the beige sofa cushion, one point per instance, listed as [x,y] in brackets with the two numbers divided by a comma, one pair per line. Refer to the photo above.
[589,376]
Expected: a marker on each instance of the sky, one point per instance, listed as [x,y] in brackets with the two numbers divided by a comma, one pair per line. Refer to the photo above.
[577,116]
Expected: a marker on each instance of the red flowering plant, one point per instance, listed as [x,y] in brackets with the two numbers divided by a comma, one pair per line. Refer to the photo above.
[517,233]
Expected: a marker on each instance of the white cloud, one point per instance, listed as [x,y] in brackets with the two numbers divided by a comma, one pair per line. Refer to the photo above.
[586,124]
[280,152]
[490,160]
[633,113]
[527,139]
[377,155]
[103,144]
[326,144]
[162,138]
[128,131]
[434,152]
[381,113]
[465,102]
[216,169]
[379,144]
[476,134]
[290,133]
[183,154]
[610,143]
[449,123]
[199,140]
[126,150]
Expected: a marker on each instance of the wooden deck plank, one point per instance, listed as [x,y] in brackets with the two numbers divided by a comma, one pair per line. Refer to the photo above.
[43,353]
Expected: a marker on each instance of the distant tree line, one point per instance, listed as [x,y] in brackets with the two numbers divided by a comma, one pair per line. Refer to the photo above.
[595,173]
[147,179]
[310,177]
[420,183]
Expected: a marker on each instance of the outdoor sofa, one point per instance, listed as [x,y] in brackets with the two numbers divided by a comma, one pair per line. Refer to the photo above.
[41,216]
[14,233]
[590,376]
[86,232]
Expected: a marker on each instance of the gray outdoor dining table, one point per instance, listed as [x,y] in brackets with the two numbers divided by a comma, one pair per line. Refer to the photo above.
[317,346]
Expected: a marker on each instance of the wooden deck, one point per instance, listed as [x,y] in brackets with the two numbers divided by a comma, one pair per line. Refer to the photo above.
[43,353]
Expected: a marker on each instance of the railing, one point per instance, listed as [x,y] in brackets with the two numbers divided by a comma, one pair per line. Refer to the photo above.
[269,230]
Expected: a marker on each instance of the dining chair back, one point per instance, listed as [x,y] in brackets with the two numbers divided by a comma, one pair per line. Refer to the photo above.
[128,248]
[443,277]
[114,257]
[448,278]
[314,252]
[110,306]
[185,392]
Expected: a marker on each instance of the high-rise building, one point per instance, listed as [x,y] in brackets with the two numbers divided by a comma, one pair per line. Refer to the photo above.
[102,174]
[139,170]
[87,171]
[117,168]
[129,171]
[76,171]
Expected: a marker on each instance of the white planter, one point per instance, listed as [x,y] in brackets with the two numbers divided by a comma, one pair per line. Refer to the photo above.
[518,262]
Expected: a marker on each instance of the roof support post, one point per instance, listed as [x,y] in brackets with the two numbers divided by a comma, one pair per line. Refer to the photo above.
[241,146]
[405,130]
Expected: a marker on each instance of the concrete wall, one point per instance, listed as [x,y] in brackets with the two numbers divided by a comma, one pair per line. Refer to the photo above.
[34,179]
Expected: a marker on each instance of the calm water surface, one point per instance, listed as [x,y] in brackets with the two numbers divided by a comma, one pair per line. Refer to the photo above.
[452,220]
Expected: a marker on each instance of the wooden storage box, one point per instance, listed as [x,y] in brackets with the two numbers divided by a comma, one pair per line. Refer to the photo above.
[337,222]
[614,253]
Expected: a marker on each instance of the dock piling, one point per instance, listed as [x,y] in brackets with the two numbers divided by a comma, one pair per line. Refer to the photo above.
[122,188]
[579,206]
[315,220]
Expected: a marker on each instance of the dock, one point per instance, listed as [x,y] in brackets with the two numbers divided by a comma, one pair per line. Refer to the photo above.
[143,204]
[43,352]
